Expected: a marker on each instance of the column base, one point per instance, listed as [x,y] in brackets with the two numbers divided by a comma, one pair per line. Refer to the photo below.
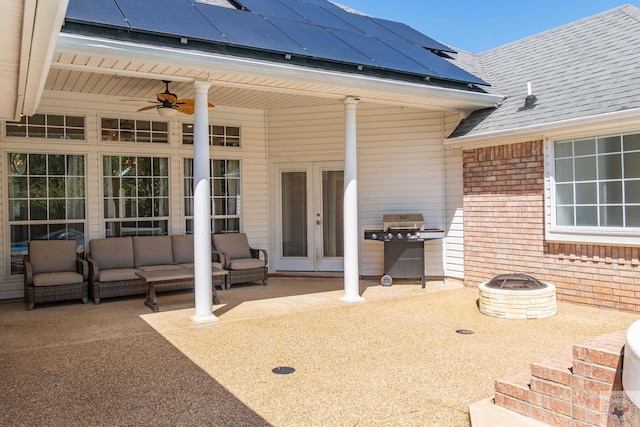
[201,320]
[352,299]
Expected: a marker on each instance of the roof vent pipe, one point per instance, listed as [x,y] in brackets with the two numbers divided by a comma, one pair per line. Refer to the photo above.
[530,100]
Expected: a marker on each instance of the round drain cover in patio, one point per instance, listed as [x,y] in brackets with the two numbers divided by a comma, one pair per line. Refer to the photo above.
[283,370]
[464,331]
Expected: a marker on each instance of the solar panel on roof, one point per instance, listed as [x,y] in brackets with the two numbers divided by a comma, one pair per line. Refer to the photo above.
[104,11]
[438,66]
[271,8]
[249,29]
[365,25]
[383,56]
[318,15]
[413,36]
[172,17]
[280,26]
[323,3]
[319,43]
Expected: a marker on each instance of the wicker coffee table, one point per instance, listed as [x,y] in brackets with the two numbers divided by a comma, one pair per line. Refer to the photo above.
[156,277]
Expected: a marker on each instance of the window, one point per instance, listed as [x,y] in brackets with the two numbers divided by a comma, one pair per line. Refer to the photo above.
[219,136]
[47,126]
[136,195]
[126,130]
[225,188]
[596,185]
[46,200]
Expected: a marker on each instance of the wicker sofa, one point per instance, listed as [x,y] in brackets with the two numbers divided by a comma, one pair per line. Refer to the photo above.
[113,263]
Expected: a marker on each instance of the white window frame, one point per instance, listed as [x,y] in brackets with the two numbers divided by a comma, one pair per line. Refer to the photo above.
[156,227]
[61,226]
[218,140]
[67,135]
[614,236]
[188,182]
[140,135]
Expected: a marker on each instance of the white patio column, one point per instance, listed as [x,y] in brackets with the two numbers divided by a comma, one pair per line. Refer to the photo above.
[351,273]
[202,207]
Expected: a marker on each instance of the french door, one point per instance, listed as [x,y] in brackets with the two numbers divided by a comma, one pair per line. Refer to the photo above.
[310,207]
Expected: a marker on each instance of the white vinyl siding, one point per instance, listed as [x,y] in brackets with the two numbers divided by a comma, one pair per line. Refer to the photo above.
[400,165]
[454,190]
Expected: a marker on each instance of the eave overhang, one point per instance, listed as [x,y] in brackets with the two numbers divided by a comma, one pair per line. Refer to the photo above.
[331,84]
[41,23]
[618,121]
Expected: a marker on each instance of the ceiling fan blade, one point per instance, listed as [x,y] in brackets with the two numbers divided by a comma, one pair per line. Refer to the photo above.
[147,108]
[185,107]
[167,97]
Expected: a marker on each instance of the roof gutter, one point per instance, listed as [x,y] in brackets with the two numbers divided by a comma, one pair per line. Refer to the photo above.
[211,62]
[42,20]
[618,121]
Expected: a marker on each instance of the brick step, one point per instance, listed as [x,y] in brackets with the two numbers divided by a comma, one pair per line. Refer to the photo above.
[605,350]
[512,392]
[557,369]
[597,365]
[574,388]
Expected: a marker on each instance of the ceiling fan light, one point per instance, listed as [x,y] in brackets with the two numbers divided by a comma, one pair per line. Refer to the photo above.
[166,111]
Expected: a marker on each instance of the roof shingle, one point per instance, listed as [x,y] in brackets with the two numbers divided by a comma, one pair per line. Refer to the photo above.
[586,68]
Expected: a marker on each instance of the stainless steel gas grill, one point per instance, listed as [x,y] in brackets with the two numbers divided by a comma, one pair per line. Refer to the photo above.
[403,237]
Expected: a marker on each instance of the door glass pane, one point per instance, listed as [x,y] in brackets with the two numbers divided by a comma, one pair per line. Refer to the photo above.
[332,207]
[294,214]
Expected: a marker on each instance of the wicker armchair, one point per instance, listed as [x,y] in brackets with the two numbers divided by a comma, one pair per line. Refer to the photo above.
[241,261]
[54,271]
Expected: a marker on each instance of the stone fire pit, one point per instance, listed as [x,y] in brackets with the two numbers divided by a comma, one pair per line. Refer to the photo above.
[517,296]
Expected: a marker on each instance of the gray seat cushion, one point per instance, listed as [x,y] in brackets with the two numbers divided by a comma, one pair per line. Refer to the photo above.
[53,279]
[117,274]
[114,252]
[245,264]
[182,249]
[235,245]
[51,256]
[152,250]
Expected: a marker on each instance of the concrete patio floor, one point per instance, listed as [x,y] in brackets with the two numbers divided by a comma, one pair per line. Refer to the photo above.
[394,360]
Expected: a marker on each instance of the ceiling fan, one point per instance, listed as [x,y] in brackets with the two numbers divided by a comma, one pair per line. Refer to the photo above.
[167,103]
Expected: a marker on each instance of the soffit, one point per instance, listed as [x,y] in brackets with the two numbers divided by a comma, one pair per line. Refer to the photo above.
[29,31]
[10,40]
[93,69]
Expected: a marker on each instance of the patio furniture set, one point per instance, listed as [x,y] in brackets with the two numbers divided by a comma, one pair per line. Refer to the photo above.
[121,266]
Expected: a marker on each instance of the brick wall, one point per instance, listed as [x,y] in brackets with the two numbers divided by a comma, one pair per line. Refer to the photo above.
[504,233]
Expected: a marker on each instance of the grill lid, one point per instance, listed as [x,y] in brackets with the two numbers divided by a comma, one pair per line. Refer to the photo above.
[403,222]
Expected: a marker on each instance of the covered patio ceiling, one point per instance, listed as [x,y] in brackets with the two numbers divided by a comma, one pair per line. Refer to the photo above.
[111,68]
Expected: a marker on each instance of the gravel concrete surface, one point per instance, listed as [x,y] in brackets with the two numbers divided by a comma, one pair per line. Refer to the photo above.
[394,360]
